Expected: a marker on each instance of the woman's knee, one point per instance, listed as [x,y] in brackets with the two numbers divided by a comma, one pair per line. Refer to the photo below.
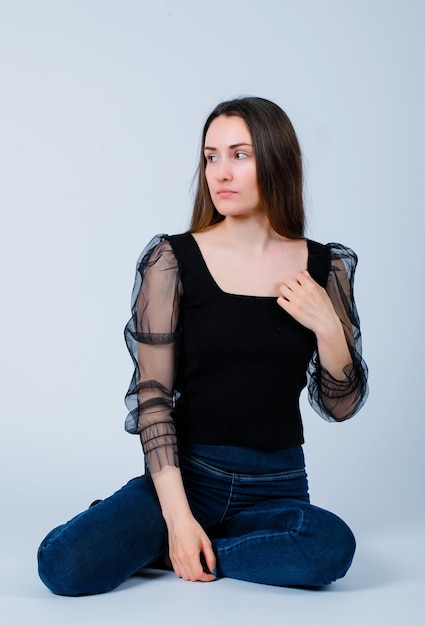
[101,547]
[53,568]
[59,568]
[335,548]
[70,567]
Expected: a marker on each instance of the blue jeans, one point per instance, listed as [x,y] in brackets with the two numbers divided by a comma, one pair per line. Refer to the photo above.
[254,506]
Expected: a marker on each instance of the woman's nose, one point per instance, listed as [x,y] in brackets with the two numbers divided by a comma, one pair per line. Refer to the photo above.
[224,170]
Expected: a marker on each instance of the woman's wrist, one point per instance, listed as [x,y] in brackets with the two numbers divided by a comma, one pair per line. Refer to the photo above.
[171,494]
[177,510]
[334,354]
[330,331]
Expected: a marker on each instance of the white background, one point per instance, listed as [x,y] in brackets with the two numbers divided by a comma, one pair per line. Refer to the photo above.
[101,108]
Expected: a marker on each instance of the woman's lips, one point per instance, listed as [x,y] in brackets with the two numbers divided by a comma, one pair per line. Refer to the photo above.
[225,193]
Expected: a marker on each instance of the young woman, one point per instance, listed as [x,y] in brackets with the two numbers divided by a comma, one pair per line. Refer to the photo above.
[229,322]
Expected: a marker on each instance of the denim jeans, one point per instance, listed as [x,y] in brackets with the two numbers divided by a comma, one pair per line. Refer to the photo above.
[254,505]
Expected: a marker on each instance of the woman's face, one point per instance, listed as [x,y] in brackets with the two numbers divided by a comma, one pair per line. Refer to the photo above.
[231,171]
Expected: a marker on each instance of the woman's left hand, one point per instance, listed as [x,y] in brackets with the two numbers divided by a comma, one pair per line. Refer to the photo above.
[307,302]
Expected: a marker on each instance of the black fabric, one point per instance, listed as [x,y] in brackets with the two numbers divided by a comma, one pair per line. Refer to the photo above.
[219,368]
[242,360]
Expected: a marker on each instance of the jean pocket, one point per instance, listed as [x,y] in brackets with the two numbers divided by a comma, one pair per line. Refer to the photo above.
[194,463]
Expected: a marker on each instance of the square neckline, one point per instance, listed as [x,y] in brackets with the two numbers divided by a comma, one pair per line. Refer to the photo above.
[214,283]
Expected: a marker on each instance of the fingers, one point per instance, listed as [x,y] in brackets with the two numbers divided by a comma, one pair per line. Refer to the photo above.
[209,557]
[187,565]
[291,283]
[190,550]
[302,279]
[195,566]
[295,293]
[194,571]
[300,286]
[306,301]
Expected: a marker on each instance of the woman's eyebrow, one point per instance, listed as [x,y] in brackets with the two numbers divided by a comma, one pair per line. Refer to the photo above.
[232,147]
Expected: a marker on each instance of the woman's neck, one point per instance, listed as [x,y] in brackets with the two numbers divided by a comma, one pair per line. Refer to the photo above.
[254,234]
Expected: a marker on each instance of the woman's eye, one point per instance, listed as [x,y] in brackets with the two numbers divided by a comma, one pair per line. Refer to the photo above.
[211,158]
[241,155]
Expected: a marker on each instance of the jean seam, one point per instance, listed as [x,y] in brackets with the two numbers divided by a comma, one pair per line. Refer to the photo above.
[257,539]
[271,477]
[266,533]
[228,500]
[244,477]
[207,467]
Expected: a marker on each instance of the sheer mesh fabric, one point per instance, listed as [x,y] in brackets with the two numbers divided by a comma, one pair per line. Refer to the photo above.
[151,339]
[151,335]
[333,399]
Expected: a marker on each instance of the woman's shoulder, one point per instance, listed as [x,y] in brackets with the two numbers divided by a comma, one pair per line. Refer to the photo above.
[330,258]
[161,242]
[166,251]
[333,250]
[179,237]
[159,251]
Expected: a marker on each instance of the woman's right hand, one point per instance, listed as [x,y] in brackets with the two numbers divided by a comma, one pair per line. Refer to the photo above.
[190,550]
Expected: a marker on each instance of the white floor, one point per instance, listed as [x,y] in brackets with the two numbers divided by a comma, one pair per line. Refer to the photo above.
[386,585]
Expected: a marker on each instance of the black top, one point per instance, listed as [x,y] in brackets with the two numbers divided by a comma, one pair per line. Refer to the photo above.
[218,368]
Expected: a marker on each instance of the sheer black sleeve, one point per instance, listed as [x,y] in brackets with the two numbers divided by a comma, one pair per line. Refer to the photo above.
[333,399]
[150,336]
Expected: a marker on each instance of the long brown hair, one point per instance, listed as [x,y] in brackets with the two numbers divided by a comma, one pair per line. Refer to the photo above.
[279,167]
